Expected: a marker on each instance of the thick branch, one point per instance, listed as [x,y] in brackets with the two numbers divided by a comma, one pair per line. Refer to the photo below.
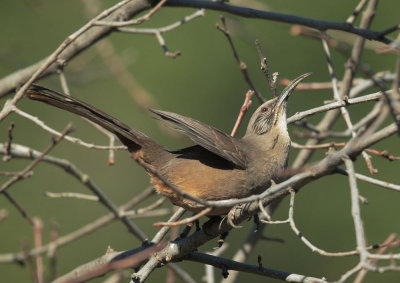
[243,267]
[283,18]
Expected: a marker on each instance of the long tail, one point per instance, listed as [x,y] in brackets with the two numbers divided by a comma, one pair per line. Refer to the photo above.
[132,138]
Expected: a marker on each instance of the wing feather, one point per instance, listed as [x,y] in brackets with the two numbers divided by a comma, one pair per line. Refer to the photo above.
[206,136]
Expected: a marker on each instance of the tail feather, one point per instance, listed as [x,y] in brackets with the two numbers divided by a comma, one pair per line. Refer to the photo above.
[132,138]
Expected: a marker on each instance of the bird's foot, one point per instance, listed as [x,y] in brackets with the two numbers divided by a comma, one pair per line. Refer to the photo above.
[231,216]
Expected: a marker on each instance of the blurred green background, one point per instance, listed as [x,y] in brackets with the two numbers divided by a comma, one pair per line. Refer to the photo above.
[204,83]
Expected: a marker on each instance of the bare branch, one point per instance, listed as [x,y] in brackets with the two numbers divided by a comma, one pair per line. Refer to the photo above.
[71,195]
[29,168]
[135,21]
[243,267]
[284,18]
[185,221]
[157,32]
[242,65]
[68,138]
[121,11]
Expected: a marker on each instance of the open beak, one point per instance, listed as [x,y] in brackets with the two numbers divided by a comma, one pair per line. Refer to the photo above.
[289,89]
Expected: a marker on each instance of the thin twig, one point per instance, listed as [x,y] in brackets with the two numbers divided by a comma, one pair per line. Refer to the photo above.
[356,213]
[157,32]
[356,11]
[29,168]
[71,195]
[143,210]
[103,131]
[37,233]
[132,22]
[242,65]
[344,112]
[374,181]
[184,221]
[72,236]
[9,141]
[264,67]
[54,58]
[52,253]
[68,138]
[243,110]
[3,214]
[334,105]
[383,154]
[363,272]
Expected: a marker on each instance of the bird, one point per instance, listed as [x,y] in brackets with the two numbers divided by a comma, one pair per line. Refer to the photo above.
[217,167]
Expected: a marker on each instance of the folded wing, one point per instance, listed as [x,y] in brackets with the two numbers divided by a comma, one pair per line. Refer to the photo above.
[206,136]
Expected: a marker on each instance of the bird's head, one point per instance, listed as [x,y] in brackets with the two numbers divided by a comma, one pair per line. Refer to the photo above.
[272,113]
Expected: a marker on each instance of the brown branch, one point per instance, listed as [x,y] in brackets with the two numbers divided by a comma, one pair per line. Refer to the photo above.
[271,79]
[18,207]
[242,65]
[9,141]
[37,234]
[243,110]
[383,154]
[52,253]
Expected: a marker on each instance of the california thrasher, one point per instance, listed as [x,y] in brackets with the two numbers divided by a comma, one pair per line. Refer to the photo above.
[219,167]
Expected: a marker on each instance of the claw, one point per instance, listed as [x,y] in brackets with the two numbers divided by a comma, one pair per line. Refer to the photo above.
[230,216]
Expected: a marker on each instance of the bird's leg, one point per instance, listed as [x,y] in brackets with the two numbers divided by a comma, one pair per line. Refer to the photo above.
[257,221]
[221,239]
[186,231]
[197,222]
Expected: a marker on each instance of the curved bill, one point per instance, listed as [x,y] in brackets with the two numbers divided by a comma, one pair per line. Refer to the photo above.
[289,89]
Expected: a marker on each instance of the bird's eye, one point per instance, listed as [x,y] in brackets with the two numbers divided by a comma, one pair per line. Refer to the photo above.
[264,109]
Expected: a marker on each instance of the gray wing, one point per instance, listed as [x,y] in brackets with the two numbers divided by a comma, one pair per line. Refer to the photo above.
[206,136]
